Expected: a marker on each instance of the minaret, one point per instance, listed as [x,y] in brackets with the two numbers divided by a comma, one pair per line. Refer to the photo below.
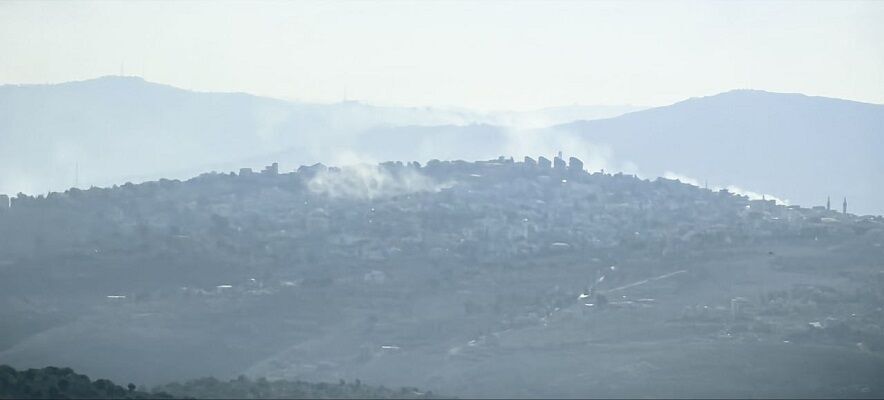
[844,206]
[828,203]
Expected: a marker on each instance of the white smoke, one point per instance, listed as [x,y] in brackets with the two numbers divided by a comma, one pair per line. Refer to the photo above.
[362,181]
[730,188]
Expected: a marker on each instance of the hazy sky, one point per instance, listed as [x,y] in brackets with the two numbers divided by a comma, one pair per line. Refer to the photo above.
[482,54]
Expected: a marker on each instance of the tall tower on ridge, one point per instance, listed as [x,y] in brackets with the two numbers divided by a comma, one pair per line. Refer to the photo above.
[828,203]
[844,206]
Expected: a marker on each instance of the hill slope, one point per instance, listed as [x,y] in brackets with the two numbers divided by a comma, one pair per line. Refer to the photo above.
[494,279]
[796,147]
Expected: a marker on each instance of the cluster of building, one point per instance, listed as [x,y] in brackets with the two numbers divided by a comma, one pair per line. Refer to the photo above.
[485,210]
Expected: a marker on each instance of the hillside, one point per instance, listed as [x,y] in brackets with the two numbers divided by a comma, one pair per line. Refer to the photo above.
[475,279]
[796,147]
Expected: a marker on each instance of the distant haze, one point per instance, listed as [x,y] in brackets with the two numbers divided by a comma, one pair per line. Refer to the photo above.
[115,129]
[487,55]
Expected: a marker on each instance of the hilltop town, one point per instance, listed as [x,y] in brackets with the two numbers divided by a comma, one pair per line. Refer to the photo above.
[493,209]
[327,273]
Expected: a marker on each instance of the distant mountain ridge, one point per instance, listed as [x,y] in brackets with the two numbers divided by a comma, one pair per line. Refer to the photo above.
[111,130]
[799,147]
[114,129]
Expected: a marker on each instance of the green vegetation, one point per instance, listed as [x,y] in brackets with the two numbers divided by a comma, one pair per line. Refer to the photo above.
[64,383]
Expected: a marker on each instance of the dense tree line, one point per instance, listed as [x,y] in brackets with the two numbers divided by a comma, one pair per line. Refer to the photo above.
[64,383]
[245,388]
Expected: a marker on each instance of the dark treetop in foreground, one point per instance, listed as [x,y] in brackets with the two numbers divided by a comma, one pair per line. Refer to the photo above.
[64,383]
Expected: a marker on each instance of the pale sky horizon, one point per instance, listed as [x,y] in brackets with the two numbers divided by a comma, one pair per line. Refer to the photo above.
[488,55]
